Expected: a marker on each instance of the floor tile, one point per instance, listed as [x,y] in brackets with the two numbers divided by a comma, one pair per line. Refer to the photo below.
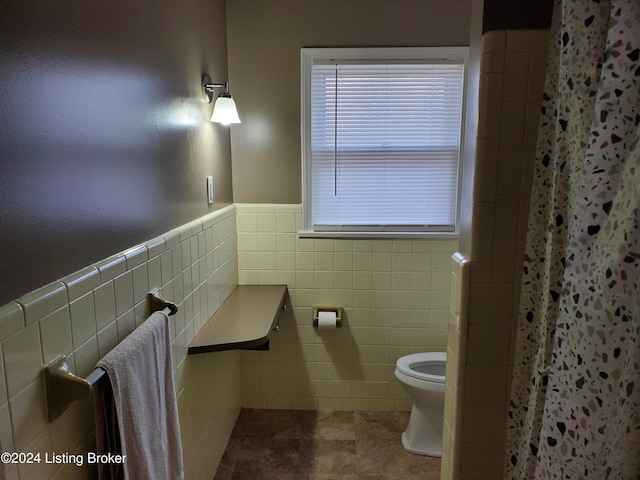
[268,424]
[327,425]
[260,456]
[311,445]
[327,457]
[390,459]
[380,425]
[229,459]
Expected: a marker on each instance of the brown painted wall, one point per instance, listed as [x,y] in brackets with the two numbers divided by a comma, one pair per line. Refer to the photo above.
[265,37]
[104,138]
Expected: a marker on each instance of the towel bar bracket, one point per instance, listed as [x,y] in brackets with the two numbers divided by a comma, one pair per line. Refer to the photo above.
[63,387]
[158,302]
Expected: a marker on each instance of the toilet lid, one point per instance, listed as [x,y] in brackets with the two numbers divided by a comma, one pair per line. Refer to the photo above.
[428,366]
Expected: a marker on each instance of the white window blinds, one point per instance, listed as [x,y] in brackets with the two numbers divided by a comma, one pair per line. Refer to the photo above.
[385,145]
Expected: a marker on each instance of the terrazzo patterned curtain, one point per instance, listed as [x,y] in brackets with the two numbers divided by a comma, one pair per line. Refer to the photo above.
[575,397]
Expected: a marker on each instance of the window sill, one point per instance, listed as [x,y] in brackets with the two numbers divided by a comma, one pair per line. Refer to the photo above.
[384,235]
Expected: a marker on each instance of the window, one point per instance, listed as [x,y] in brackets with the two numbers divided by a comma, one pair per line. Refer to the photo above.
[381,137]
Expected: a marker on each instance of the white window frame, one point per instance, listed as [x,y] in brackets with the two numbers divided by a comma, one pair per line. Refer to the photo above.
[307,58]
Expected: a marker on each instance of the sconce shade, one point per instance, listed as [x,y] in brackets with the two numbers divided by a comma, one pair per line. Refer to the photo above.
[225,111]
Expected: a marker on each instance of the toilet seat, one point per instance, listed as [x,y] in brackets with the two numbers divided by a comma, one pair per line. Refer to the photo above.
[428,366]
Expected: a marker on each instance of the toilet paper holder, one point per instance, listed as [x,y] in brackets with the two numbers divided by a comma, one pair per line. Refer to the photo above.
[337,310]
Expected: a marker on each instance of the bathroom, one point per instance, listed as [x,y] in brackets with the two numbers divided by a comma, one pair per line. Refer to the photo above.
[103,200]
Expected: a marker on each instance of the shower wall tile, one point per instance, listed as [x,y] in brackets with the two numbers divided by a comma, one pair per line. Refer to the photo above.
[506,217]
[512,120]
[485,177]
[456,353]
[528,157]
[494,42]
[486,346]
[483,420]
[508,173]
[497,245]
[504,260]
[490,105]
[85,314]
[481,460]
[484,385]
[532,116]
[395,293]
[537,68]
[484,218]
[492,62]
[530,41]
[516,74]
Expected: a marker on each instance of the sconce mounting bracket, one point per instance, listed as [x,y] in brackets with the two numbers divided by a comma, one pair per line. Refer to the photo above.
[208,87]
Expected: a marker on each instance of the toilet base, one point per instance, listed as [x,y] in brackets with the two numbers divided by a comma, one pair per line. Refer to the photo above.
[423,436]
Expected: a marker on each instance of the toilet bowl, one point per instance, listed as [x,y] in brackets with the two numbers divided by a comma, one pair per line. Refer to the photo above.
[422,376]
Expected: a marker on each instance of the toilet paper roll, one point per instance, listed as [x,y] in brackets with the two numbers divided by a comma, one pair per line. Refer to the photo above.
[327,320]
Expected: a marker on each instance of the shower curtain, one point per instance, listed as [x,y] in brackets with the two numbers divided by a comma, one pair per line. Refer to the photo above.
[575,397]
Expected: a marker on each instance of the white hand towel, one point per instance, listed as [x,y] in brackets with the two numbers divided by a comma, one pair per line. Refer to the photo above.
[140,372]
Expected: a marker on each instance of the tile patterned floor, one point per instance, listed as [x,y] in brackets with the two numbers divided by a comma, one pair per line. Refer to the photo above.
[309,445]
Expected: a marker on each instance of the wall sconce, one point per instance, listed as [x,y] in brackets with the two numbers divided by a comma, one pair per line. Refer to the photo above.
[224,110]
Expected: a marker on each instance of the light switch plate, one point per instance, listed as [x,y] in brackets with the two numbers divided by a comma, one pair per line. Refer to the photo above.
[210,190]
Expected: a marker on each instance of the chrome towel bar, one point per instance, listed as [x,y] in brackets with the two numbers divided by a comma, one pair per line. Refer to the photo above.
[63,387]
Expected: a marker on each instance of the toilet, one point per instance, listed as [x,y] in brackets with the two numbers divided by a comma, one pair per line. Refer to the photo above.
[422,376]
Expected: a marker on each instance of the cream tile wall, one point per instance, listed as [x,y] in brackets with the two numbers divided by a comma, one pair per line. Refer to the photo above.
[86,314]
[511,84]
[395,294]
[456,359]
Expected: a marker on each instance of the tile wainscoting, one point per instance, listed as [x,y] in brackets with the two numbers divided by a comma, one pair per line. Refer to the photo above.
[395,294]
[86,314]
